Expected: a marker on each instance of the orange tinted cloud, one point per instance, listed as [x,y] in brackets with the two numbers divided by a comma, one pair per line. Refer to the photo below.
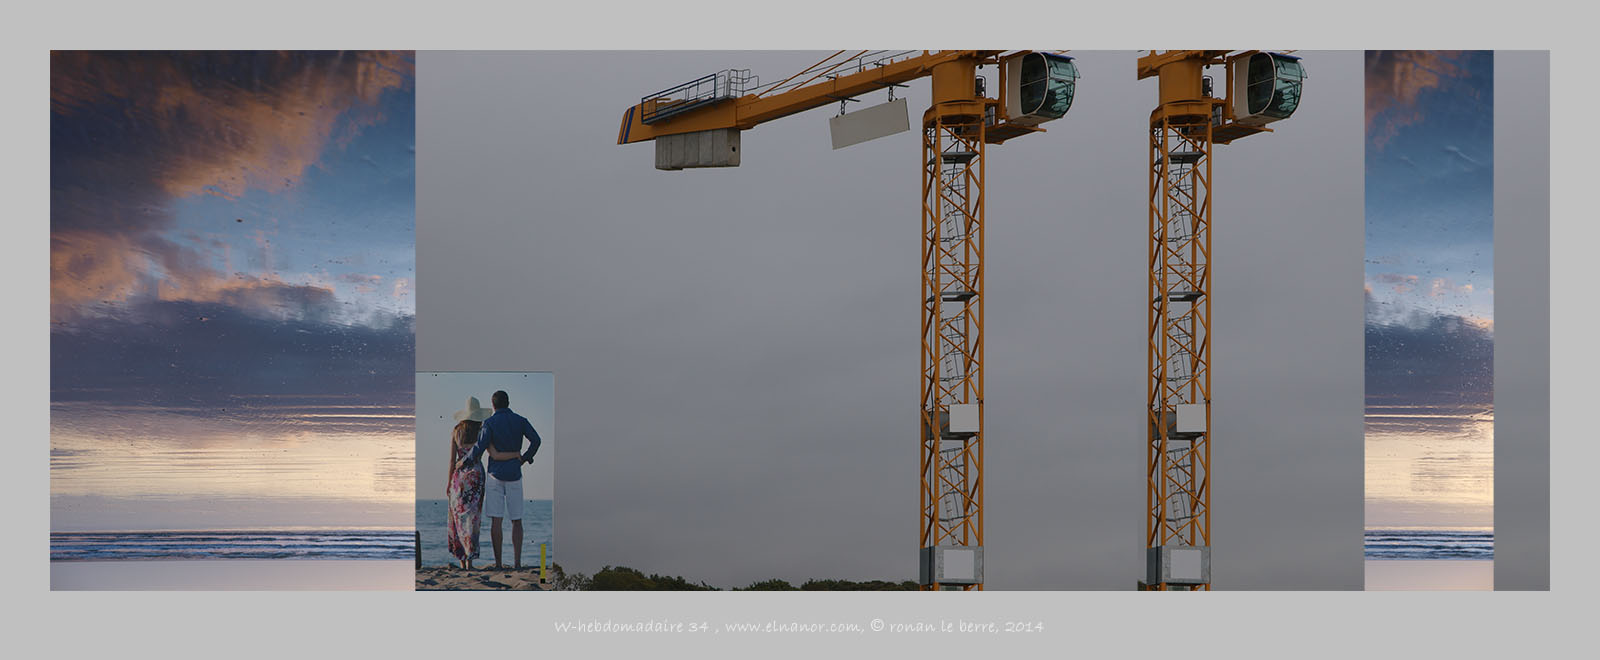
[363,283]
[144,128]
[221,131]
[90,269]
[1440,287]
[1394,81]
[1402,283]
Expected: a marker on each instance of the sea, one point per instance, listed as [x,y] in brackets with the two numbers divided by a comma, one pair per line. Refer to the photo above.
[538,526]
[1429,544]
[1429,482]
[233,544]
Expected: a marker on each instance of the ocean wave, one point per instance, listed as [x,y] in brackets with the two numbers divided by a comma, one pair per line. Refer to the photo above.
[1429,544]
[266,544]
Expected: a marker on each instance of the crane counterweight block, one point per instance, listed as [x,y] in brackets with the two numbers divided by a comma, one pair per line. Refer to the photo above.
[713,148]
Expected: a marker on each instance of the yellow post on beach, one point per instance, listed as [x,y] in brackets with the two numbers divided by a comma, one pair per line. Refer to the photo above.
[542,577]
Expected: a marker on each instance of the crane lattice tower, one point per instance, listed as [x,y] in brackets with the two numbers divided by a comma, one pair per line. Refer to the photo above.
[1184,128]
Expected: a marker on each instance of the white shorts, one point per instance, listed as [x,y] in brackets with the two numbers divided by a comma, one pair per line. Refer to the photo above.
[502,499]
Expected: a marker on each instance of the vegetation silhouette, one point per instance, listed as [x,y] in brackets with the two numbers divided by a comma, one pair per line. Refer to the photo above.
[623,578]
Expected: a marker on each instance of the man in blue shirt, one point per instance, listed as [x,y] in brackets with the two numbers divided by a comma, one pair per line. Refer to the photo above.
[502,496]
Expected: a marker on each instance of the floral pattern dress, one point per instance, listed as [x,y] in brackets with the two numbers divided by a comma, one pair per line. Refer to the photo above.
[465,491]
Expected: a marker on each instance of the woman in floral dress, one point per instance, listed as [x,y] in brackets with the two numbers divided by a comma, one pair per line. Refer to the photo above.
[465,487]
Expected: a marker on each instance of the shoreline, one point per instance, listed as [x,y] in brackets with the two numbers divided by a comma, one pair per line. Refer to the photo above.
[452,578]
[1429,574]
[231,575]
[234,530]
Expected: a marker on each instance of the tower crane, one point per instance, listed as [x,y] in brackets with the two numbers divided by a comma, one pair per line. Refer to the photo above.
[698,123]
[1261,88]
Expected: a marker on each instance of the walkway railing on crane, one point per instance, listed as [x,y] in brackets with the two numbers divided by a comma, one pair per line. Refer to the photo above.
[702,91]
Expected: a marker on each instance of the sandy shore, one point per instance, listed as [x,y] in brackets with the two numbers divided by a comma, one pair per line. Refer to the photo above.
[1429,575]
[232,575]
[448,578]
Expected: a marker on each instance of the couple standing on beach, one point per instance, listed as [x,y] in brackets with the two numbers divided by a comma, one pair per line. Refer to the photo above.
[499,434]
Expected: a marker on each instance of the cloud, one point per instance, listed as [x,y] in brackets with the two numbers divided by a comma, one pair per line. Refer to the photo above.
[1419,301]
[1436,359]
[225,122]
[1395,79]
[88,268]
[1440,287]
[1437,287]
[363,283]
[102,272]
[132,132]
[279,299]
[1401,282]
[1456,151]
[204,352]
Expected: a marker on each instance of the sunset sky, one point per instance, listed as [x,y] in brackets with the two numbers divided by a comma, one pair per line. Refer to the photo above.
[1429,290]
[232,266]
[1430,225]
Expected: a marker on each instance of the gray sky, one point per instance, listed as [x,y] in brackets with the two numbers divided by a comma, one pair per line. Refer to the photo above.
[1522,333]
[738,348]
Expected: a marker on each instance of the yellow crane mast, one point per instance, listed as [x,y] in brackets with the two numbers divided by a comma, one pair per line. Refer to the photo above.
[697,124]
[1260,88]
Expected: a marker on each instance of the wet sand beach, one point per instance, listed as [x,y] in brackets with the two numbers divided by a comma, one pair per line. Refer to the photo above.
[1430,575]
[232,575]
[447,578]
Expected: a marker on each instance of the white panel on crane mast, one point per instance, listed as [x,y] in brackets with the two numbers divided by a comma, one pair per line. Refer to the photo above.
[1191,418]
[1178,564]
[951,564]
[964,418]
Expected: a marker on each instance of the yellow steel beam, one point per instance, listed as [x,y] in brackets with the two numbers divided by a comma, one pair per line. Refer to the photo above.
[748,111]
[1184,129]
[1182,137]
[1150,65]
[951,489]
[1178,494]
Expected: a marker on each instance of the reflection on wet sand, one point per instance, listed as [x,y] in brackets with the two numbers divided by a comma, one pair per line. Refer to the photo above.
[1429,466]
[343,457]
[1430,482]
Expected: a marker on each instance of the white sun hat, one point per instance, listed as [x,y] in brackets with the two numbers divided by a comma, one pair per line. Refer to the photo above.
[474,411]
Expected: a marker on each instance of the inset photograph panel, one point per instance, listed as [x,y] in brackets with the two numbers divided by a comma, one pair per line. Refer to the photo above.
[485,480]
[1430,322]
[232,254]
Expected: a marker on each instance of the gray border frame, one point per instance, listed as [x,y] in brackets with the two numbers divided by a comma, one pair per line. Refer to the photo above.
[1522,320]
